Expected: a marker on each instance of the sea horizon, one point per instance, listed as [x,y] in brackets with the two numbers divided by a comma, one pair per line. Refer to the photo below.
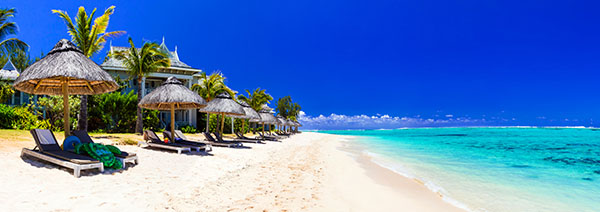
[445,127]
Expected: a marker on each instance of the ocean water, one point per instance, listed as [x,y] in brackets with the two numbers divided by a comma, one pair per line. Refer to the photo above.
[495,169]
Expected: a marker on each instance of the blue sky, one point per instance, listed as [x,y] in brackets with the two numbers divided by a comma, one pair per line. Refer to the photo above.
[399,63]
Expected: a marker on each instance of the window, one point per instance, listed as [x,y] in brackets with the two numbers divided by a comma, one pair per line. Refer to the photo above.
[17,98]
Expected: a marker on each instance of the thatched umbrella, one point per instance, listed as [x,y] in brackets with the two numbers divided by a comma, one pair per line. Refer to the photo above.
[266,116]
[297,125]
[223,104]
[172,95]
[291,124]
[251,114]
[65,71]
[281,122]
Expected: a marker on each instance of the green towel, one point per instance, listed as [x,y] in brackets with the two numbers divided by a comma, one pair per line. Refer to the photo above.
[101,152]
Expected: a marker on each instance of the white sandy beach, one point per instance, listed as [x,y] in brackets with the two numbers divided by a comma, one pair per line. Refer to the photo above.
[308,172]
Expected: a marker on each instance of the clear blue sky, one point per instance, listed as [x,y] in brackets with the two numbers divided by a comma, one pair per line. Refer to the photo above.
[494,62]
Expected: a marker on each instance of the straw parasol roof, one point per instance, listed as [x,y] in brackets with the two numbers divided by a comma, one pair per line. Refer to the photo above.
[224,104]
[281,120]
[172,95]
[172,91]
[249,113]
[267,117]
[65,71]
[290,122]
[65,63]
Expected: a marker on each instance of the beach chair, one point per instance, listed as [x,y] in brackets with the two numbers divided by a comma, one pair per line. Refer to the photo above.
[179,134]
[203,146]
[280,133]
[47,149]
[241,136]
[216,142]
[124,157]
[152,140]
[220,138]
[267,137]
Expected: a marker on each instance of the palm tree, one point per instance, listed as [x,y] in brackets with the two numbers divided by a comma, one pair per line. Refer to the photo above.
[209,87]
[6,30]
[140,62]
[90,38]
[256,99]
[283,106]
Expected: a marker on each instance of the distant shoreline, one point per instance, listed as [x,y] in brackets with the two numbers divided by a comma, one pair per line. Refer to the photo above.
[550,127]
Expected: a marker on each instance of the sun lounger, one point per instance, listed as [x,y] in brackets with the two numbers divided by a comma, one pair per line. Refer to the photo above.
[203,146]
[220,138]
[216,142]
[241,136]
[267,137]
[273,134]
[49,150]
[154,141]
[279,133]
[180,134]
[124,157]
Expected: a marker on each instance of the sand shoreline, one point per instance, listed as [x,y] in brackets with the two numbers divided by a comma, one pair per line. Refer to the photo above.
[308,172]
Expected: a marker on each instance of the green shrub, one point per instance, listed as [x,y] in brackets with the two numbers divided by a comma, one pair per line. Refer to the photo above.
[151,121]
[215,123]
[21,118]
[7,115]
[53,105]
[188,129]
[117,112]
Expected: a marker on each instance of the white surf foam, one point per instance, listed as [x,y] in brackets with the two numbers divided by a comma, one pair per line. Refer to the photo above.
[396,167]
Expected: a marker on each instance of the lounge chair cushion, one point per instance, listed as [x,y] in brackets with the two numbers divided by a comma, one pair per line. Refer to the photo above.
[45,140]
[71,157]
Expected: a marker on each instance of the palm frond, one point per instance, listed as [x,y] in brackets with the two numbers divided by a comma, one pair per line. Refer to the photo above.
[11,44]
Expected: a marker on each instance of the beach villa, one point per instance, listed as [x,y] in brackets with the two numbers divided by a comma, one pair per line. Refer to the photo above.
[9,73]
[183,72]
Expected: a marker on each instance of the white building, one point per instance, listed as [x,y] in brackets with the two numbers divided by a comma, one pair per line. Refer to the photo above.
[10,73]
[178,69]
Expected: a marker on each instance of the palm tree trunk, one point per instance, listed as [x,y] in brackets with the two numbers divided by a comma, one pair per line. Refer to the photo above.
[83,115]
[139,124]
[207,122]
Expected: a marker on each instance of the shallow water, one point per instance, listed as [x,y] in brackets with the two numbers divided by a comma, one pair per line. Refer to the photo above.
[495,169]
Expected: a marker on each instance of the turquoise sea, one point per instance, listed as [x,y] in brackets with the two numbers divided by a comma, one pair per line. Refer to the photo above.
[495,169]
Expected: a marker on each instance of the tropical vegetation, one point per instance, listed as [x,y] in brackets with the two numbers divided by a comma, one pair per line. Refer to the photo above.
[89,35]
[8,30]
[141,62]
[287,109]
[6,91]
[112,112]
[256,99]
[209,86]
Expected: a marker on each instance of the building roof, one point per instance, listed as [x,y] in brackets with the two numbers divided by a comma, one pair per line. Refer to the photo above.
[9,71]
[173,56]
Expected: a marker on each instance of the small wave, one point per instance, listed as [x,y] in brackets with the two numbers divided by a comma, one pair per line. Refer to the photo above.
[399,169]
[521,166]
[448,135]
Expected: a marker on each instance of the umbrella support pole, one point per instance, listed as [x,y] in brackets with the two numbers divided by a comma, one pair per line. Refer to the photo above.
[66,114]
[243,130]
[172,122]
[222,123]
